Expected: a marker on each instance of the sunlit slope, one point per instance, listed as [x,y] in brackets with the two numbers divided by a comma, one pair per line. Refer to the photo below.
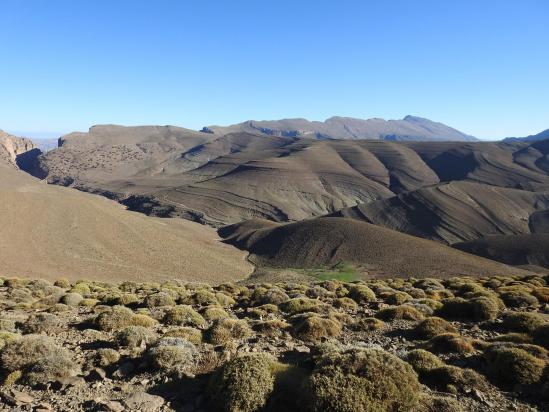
[49,231]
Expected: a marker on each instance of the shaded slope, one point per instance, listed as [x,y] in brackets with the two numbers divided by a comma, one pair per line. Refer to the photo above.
[50,232]
[532,138]
[409,128]
[529,249]
[454,212]
[12,146]
[326,241]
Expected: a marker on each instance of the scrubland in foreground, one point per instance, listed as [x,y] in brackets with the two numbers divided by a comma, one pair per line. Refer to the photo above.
[382,345]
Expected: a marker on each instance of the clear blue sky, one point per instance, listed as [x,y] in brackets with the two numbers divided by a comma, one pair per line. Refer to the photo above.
[481,66]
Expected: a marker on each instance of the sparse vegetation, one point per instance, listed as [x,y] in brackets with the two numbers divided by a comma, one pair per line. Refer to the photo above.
[362,379]
[344,346]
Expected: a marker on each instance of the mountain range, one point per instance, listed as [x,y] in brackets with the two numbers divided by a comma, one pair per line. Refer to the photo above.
[408,128]
[288,200]
[532,138]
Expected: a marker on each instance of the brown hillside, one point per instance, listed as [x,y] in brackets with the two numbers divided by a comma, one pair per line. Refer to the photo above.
[327,241]
[49,232]
[225,179]
[529,249]
[455,212]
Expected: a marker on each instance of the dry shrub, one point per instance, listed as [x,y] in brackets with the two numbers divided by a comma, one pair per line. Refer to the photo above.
[50,369]
[369,324]
[361,294]
[273,327]
[432,327]
[106,356]
[542,294]
[243,384]
[513,338]
[41,322]
[120,317]
[134,337]
[183,315]
[509,366]
[191,334]
[315,328]
[399,312]
[523,321]
[227,329]
[159,299]
[362,380]
[449,343]
[345,304]
[211,313]
[173,355]
[72,299]
[479,309]
[39,358]
[519,299]
[300,305]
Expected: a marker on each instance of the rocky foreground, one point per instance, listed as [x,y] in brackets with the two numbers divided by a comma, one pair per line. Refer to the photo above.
[460,344]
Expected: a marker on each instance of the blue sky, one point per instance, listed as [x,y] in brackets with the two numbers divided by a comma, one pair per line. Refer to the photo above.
[479,66]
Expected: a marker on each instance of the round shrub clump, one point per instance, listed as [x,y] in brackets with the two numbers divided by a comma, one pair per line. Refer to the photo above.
[432,327]
[315,328]
[449,343]
[453,379]
[369,324]
[72,299]
[50,369]
[191,334]
[423,361]
[300,305]
[211,313]
[159,299]
[362,294]
[362,380]
[519,299]
[106,356]
[173,355]
[509,366]
[135,337]
[399,312]
[226,329]
[479,309]
[345,304]
[432,403]
[523,321]
[184,315]
[120,317]
[41,322]
[38,357]
[243,384]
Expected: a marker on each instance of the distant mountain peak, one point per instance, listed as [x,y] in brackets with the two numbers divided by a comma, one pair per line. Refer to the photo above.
[340,127]
[532,138]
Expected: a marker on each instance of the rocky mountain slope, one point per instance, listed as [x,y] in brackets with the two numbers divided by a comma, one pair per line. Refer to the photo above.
[524,249]
[408,128]
[221,180]
[13,146]
[456,211]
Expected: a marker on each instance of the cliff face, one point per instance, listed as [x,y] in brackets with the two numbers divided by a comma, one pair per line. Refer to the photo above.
[13,146]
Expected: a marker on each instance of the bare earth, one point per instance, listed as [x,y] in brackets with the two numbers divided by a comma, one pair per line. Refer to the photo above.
[49,231]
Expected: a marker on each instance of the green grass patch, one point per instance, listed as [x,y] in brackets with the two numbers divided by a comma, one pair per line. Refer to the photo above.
[344,272]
